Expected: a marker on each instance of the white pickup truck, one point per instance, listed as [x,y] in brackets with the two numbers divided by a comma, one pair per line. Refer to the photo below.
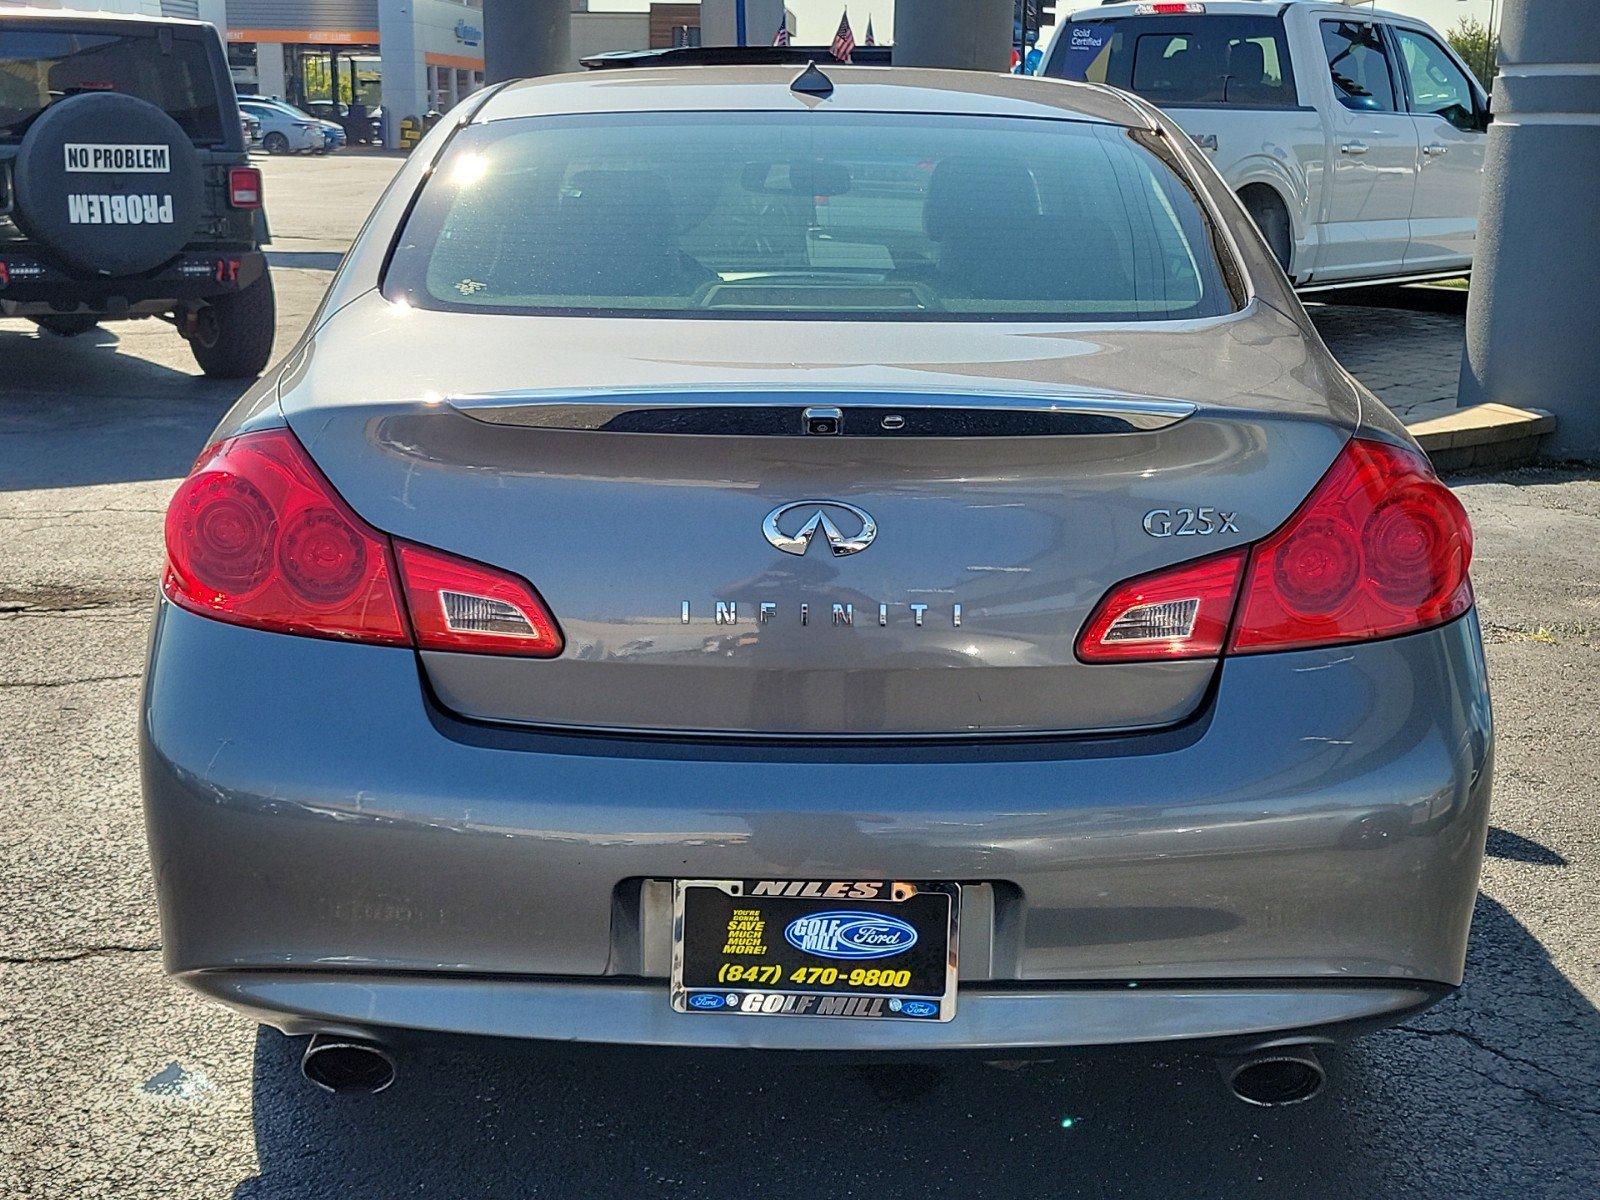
[1355,137]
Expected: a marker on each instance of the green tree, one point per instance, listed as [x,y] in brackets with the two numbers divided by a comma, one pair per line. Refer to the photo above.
[1471,40]
[318,82]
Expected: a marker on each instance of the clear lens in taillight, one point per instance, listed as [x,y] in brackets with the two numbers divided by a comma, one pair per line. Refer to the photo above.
[244,187]
[458,604]
[1179,612]
[257,536]
[1380,548]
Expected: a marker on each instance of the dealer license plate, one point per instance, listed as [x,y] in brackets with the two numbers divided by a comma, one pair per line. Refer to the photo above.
[875,949]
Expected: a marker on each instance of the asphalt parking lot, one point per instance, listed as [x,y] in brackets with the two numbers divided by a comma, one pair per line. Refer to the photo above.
[115,1084]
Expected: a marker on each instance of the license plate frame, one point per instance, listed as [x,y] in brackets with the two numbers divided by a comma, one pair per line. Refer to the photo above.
[848,926]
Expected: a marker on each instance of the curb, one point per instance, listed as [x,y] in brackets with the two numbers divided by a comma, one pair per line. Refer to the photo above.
[1484,435]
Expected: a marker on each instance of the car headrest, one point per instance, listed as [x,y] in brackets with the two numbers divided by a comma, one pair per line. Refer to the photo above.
[1175,71]
[1247,62]
[971,193]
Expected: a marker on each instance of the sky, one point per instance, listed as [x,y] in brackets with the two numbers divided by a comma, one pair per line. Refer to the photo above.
[817,19]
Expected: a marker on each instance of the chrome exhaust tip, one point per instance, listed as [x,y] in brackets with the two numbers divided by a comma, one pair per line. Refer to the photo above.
[346,1066]
[1275,1078]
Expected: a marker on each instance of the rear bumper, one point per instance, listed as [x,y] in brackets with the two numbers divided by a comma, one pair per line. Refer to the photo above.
[30,286]
[333,852]
[1245,1015]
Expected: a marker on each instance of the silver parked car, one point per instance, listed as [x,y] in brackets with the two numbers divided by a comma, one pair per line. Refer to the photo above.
[879,550]
[285,129]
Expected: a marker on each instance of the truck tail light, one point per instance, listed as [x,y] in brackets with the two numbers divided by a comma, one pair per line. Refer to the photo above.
[244,187]
[1380,547]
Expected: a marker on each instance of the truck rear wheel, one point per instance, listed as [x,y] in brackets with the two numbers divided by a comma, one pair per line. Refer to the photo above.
[232,336]
[1267,210]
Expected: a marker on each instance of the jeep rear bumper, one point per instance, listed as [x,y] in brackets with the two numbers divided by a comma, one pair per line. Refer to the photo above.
[31,286]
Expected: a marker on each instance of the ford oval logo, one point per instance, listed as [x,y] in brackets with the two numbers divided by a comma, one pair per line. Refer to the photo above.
[706,1000]
[850,935]
[919,1008]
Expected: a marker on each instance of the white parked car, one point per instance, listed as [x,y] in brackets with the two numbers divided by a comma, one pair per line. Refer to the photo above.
[1354,136]
[285,130]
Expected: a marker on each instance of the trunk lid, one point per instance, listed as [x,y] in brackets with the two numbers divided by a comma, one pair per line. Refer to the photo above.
[652,479]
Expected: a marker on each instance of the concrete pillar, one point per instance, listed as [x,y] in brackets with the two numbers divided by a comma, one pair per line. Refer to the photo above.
[1533,315]
[215,11]
[719,25]
[269,70]
[526,37]
[973,35]
[404,64]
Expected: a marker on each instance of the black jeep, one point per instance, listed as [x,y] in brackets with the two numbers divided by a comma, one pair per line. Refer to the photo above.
[125,185]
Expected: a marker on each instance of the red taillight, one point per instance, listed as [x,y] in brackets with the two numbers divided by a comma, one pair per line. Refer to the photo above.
[1180,612]
[244,187]
[457,604]
[256,536]
[1379,548]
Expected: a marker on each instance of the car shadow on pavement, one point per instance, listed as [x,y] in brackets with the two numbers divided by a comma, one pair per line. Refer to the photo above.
[1502,843]
[1416,297]
[1493,1093]
[98,409]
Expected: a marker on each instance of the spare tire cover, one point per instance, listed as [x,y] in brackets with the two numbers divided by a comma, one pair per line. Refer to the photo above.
[108,183]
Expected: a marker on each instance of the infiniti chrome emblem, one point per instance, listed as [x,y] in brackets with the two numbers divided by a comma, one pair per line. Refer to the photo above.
[800,541]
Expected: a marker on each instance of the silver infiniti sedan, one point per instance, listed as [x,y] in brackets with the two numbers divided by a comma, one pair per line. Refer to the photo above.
[848,559]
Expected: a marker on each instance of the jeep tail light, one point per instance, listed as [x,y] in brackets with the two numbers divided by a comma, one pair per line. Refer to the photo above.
[244,187]
[1180,612]
[457,604]
[257,536]
[1380,547]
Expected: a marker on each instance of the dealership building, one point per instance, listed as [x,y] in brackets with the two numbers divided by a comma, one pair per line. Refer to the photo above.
[409,56]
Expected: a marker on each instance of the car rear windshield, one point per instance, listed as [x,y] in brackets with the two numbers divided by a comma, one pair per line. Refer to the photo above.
[756,214]
[1235,62]
[39,66]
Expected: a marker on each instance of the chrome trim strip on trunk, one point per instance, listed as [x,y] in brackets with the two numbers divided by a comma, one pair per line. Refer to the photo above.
[736,411]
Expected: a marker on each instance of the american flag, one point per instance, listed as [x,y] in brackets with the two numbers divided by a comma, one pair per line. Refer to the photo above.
[870,40]
[844,42]
[781,38]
